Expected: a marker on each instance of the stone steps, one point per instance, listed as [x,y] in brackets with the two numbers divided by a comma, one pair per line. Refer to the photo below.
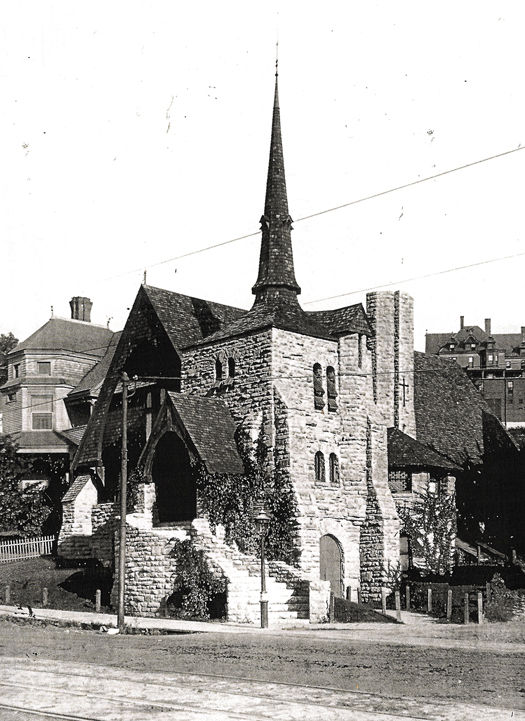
[287,592]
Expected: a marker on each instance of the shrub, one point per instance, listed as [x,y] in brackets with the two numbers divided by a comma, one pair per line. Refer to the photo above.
[199,592]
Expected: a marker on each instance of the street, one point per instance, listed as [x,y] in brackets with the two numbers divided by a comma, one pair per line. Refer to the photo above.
[73,674]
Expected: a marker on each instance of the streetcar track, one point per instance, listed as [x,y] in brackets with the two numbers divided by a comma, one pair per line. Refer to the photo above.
[48,714]
[171,706]
[247,679]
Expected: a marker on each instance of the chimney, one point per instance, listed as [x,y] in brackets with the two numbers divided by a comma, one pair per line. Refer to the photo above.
[487,326]
[80,308]
[461,322]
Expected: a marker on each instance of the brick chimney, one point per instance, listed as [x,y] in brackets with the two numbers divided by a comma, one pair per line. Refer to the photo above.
[461,322]
[80,308]
[488,326]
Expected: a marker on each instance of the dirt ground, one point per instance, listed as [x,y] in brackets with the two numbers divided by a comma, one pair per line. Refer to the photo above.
[473,675]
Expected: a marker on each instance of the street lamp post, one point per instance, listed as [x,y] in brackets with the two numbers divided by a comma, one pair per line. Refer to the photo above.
[262,521]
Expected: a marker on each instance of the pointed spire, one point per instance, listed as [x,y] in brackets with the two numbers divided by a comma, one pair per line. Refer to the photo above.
[276,270]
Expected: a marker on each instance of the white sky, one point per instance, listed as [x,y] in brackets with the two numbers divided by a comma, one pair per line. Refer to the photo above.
[132,132]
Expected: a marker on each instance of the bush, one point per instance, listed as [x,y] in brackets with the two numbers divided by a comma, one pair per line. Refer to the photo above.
[502,601]
[199,592]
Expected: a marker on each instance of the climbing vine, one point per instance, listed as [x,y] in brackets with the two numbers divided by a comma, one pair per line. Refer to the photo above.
[197,586]
[431,526]
[233,500]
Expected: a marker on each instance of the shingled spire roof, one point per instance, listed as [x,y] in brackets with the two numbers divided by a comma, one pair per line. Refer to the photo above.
[276,279]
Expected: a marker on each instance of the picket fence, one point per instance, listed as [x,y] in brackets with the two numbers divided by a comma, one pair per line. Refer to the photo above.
[26,548]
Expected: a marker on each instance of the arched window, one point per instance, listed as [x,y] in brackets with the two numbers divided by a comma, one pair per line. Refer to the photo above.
[318,387]
[319,467]
[218,370]
[331,390]
[334,468]
[231,367]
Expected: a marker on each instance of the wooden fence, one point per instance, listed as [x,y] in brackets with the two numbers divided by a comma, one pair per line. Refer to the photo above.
[26,548]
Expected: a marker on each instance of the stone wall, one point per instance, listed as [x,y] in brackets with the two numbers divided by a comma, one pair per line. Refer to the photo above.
[75,539]
[248,395]
[391,315]
[336,509]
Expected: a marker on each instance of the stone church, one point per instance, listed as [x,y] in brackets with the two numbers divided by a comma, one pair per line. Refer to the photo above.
[230,408]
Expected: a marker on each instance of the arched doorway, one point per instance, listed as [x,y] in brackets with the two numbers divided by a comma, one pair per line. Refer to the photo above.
[331,564]
[171,472]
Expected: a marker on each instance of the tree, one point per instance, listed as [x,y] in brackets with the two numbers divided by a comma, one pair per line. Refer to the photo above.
[7,343]
[21,510]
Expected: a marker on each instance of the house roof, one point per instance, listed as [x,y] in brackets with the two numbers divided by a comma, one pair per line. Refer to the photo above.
[69,335]
[211,428]
[452,417]
[33,440]
[94,378]
[403,451]
[509,342]
[74,435]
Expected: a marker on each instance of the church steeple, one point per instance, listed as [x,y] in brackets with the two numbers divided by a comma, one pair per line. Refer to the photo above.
[276,279]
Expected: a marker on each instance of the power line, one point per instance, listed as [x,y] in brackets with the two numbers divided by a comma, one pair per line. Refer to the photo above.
[327,210]
[418,277]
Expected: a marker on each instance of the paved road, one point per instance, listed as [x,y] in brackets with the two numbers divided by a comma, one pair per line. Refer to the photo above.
[36,689]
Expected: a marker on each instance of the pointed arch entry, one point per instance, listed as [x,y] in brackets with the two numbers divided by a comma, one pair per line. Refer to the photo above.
[171,472]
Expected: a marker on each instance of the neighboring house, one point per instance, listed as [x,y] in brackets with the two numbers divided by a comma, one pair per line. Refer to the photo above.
[42,370]
[494,362]
[229,408]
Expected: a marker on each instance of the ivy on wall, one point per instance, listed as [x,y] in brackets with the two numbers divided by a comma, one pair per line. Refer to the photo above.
[233,500]
[199,591]
[431,526]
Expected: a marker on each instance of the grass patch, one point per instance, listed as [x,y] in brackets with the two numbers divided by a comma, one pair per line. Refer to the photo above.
[68,589]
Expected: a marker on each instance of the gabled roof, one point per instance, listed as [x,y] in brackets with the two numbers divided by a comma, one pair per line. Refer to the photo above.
[404,451]
[186,319]
[69,335]
[74,435]
[340,321]
[211,429]
[182,319]
[452,417]
[76,487]
[91,382]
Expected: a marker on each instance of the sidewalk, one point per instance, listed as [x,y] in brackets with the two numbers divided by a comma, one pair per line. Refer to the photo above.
[416,630]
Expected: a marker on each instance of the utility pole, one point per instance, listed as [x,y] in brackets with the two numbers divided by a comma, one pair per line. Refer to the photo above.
[123,503]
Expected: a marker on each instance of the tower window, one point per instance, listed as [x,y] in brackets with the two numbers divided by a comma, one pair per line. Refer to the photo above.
[319,467]
[334,468]
[359,351]
[318,387]
[331,389]
[218,370]
[231,367]
[16,370]
[44,368]
[42,415]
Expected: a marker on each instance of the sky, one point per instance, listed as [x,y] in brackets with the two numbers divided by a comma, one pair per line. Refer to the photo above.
[133,133]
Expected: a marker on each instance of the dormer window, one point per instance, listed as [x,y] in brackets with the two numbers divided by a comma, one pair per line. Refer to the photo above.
[472,346]
[318,387]
[451,346]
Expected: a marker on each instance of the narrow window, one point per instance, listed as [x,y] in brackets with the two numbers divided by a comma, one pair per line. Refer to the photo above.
[42,412]
[331,389]
[334,468]
[360,351]
[318,387]
[218,370]
[16,370]
[44,368]
[319,467]
[231,367]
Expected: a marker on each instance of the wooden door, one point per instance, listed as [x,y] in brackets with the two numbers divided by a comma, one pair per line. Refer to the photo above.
[331,564]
